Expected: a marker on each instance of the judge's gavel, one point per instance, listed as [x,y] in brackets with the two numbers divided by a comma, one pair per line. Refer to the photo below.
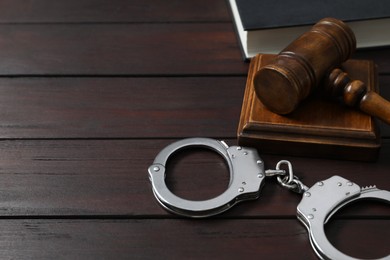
[301,66]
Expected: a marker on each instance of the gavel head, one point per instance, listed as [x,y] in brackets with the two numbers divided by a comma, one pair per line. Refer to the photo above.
[299,68]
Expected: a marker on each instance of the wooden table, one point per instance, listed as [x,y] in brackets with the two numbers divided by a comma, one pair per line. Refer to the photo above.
[92,90]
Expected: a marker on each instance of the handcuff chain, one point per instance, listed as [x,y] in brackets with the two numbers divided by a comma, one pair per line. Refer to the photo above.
[289,181]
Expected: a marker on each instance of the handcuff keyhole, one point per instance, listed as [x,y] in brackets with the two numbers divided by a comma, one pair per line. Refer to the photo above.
[197,173]
[361,238]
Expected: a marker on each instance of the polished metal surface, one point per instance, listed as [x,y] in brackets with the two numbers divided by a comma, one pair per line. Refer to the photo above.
[322,201]
[246,177]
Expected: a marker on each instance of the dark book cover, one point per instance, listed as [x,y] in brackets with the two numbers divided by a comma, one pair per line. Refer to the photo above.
[267,14]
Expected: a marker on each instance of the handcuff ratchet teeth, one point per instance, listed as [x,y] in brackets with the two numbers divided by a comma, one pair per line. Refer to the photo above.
[319,203]
[322,201]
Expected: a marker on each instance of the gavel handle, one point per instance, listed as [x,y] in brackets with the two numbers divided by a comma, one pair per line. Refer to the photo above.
[356,94]
[375,105]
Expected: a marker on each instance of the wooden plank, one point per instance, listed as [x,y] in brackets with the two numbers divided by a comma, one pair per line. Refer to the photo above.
[379,55]
[120,49]
[119,107]
[189,239]
[152,239]
[92,11]
[109,178]
[124,107]
[129,49]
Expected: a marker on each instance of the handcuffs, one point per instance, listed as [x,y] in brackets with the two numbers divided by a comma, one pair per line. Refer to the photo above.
[247,175]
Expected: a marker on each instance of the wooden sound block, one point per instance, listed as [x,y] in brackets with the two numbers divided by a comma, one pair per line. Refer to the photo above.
[318,128]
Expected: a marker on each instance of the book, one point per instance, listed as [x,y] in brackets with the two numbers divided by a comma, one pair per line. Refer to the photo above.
[268,26]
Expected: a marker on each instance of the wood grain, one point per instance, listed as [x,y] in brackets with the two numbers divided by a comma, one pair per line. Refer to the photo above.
[123,11]
[120,49]
[119,107]
[372,54]
[151,238]
[125,107]
[109,178]
[127,49]
[92,90]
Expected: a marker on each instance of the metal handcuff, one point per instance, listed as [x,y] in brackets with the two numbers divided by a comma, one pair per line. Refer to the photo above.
[247,175]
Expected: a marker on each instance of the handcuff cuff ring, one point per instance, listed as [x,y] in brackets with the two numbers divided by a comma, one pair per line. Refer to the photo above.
[322,201]
[246,178]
